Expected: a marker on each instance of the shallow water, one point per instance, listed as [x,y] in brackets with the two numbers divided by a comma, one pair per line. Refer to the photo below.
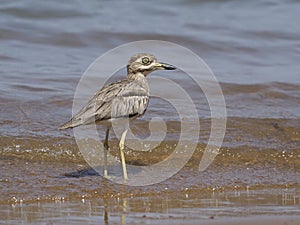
[253,49]
[186,208]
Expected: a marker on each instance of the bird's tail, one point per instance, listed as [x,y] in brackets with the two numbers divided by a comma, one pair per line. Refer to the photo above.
[70,124]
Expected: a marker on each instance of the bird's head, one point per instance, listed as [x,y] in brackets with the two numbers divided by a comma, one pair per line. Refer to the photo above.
[144,63]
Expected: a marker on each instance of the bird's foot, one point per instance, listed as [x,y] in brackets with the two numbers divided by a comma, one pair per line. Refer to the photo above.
[107,176]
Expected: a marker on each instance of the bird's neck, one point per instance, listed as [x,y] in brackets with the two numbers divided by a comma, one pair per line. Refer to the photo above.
[136,76]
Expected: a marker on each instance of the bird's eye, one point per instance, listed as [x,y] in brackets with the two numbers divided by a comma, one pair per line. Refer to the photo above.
[145,60]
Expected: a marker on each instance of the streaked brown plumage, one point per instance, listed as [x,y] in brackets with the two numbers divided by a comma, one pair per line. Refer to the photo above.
[125,98]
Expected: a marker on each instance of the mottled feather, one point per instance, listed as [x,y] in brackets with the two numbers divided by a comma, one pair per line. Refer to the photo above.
[125,98]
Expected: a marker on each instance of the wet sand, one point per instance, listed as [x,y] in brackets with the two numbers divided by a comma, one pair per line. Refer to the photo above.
[53,192]
[48,181]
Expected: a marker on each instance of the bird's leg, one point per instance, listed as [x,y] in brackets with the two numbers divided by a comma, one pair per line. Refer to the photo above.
[122,145]
[105,171]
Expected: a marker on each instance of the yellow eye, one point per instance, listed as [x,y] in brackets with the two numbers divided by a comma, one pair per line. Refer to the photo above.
[145,60]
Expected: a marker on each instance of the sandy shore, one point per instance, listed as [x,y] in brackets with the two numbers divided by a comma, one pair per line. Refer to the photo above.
[49,192]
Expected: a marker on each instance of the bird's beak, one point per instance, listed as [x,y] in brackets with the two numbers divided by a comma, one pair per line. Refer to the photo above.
[164,66]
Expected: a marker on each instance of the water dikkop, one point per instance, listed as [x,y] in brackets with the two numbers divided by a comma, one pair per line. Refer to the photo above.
[122,99]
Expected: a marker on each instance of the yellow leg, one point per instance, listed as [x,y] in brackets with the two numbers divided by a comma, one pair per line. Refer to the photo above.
[122,145]
[105,170]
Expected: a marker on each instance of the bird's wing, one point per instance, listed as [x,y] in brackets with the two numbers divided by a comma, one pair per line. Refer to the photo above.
[114,100]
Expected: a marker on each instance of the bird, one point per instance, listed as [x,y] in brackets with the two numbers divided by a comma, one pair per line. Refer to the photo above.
[126,98]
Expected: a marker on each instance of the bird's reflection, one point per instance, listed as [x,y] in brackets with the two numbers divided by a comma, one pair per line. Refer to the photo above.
[122,211]
[105,214]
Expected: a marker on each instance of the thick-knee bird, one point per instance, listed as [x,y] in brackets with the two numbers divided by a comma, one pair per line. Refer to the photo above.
[127,98]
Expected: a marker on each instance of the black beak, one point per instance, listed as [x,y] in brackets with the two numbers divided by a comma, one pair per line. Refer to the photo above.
[165,66]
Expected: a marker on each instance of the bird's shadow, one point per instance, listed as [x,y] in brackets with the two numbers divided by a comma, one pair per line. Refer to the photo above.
[80,173]
[114,171]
